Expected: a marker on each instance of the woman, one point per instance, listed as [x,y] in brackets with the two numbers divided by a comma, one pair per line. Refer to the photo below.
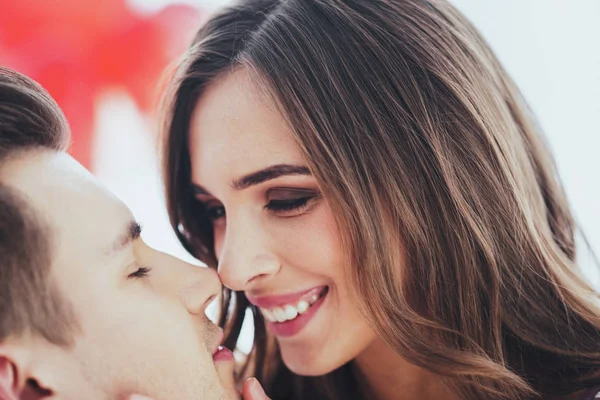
[372,187]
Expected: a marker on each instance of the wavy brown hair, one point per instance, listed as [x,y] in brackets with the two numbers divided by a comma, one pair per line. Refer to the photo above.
[451,213]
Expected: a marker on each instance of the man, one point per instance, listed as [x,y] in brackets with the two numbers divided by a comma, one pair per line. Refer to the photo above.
[87,310]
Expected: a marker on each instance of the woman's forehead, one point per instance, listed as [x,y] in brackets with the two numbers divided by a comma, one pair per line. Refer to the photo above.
[235,132]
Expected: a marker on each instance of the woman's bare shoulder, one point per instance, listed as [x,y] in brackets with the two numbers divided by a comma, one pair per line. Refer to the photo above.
[591,394]
[586,394]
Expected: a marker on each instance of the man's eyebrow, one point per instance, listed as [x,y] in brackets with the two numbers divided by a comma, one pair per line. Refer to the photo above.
[132,231]
[261,176]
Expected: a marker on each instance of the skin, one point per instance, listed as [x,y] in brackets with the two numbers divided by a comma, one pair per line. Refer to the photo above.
[139,333]
[235,131]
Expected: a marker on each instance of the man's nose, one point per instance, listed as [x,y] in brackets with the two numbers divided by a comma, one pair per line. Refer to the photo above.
[198,287]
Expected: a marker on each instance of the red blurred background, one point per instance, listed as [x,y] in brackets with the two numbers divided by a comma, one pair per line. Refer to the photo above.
[78,49]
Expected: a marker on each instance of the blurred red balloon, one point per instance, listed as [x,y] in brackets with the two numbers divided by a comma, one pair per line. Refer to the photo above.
[77,49]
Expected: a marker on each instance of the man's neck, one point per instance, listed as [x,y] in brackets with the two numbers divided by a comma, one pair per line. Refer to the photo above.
[384,375]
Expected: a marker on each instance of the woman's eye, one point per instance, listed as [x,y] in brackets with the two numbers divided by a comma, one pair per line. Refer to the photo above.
[215,213]
[290,202]
[140,272]
[287,205]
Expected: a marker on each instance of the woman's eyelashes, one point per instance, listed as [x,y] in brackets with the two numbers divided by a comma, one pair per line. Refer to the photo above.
[287,205]
[285,202]
[290,202]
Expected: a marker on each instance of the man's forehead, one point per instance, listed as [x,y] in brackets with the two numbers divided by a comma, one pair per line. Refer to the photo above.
[69,198]
[35,171]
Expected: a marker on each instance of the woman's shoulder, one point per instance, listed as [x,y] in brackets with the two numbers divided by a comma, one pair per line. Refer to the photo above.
[590,394]
[586,394]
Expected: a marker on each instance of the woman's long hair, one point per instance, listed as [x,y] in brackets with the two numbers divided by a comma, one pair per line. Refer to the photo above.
[459,240]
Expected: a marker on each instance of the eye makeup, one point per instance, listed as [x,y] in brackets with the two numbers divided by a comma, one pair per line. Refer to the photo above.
[290,202]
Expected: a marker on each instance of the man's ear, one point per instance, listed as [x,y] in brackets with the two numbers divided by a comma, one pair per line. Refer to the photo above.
[16,382]
[8,377]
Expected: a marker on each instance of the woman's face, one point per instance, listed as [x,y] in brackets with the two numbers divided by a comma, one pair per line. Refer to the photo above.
[275,235]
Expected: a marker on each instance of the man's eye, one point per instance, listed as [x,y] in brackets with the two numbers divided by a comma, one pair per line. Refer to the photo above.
[140,273]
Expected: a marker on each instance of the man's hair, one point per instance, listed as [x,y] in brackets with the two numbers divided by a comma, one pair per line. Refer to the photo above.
[30,302]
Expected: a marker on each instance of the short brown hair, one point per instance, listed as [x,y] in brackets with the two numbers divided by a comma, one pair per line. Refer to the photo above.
[29,301]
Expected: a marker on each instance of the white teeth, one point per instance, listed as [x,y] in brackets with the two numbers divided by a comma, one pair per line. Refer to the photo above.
[279,314]
[290,312]
[302,306]
[268,315]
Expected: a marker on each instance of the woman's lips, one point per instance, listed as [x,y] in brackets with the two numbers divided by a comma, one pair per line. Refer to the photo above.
[293,326]
[287,314]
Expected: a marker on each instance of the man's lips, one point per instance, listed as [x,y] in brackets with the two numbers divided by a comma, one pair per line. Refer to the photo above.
[220,353]
[218,345]
[282,299]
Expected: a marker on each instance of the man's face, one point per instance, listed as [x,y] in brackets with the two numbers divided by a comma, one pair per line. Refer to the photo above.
[141,312]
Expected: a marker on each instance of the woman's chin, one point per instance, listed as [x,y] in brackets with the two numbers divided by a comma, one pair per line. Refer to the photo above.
[313,368]
[308,363]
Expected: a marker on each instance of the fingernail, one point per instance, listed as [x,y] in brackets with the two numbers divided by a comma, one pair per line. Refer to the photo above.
[257,390]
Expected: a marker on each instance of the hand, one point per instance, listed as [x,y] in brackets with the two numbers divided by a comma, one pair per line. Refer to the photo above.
[253,390]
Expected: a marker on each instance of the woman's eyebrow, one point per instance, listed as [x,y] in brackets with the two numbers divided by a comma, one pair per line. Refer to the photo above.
[258,177]
[266,174]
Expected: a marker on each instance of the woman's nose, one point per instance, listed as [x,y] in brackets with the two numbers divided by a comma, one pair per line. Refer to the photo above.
[239,273]
[245,259]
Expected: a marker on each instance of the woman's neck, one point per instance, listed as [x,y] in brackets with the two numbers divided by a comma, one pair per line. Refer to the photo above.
[384,375]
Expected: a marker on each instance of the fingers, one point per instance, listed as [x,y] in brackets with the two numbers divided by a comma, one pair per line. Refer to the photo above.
[253,390]
[138,397]
[225,365]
